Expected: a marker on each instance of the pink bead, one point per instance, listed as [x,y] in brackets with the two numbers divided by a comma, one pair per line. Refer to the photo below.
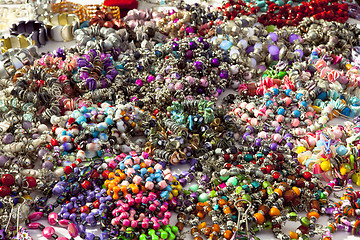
[308,122]
[130,171]
[134,224]
[138,200]
[156,225]
[268,111]
[64,222]
[295,122]
[137,180]
[35,216]
[317,169]
[157,203]
[150,78]
[33,225]
[203,82]
[139,83]
[126,222]
[162,184]
[48,231]
[148,162]
[137,160]
[263,134]
[275,124]
[112,164]
[167,171]
[152,207]
[254,122]
[144,200]
[244,117]
[287,101]
[73,230]
[190,80]
[145,224]
[279,118]
[129,162]
[158,166]
[179,86]
[338,134]
[124,215]
[152,196]
[115,221]
[52,218]
[276,137]
[145,155]
[167,215]
[163,208]
[149,185]
[62,238]
[165,221]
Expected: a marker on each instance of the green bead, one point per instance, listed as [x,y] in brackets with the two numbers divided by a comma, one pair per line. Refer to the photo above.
[216,182]
[293,216]
[232,181]
[352,161]
[305,221]
[281,3]
[304,237]
[246,197]
[255,229]
[142,237]
[268,224]
[175,229]
[323,196]
[163,234]
[186,192]
[238,189]
[266,184]
[248,157]
[269,190]
[224,178]
[213,193]
[259,155]
[270,28]
[261,4]
[194,187]
[282,74]
[153,235]
[203,197]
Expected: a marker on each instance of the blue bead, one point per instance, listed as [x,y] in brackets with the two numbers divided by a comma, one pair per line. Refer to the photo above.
[267,95]
[346,111]
[81,119]
[143,171]
[225,45]
[104,236]
[83,109]
[95,134]
[299,95]
[89,236]
[322,96]
[109,121]
[165,194]
[99,153]
[103,137]
[341,150]
[269,103]
[216,207]
[296,113]
[304,104]
[1,205]
[101,127]
[63,133]
[275,90]
[287,92]
[281,111]
[136,167]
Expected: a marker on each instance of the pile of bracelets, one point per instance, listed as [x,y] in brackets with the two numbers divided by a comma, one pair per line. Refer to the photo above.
[238,120]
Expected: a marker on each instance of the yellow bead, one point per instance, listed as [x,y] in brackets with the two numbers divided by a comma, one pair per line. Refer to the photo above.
[300,149]
[342,170]
[325,166]
[175,192]
[348,66]
[27,197]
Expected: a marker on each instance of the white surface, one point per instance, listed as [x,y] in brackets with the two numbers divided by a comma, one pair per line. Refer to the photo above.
[36,234]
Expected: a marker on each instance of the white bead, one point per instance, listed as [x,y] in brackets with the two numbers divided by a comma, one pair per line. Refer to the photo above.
[59,172]
[42,128]
[125,148]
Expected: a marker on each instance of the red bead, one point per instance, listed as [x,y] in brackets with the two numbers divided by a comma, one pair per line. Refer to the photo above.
[68,170]
[226,157]
[276,175]
[48,146]
[53,128]
[71,121]
[85,209]
[31,182]
[96,204]
[8,179]
[105,174]
[269,168]
[94,174]
[228,165]
[304,229]
[155,112]
[86,184]
[73,165]
[307,176]
[54,142]
[4,191]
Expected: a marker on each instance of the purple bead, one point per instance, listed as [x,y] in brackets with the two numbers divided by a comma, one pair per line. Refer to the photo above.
[215,62]
[191,176]
[8,138]
[81,197]
[224,74]
[193,161]
[73,217]
[219,90]
[98,195]
[194,195]
[89,236]
[199,90]
[48,165]
[81,228]
[287,135]
[83,216]
[198,65]
[192,45]
[73,199]
[200,39]
[26,125]
[42,152]
[167,69]
[176,75]
[189,54]
[3,160]
[249,49]
[102,200]
[258,142]
[102,206]
[273,146]
[58,190]
[205,178]
[277,129]
[293,37]
[245,135]
[273,50]
[175,46]
[103,236]
[66,215]
[290,145]
[182,181]
[206,45]
[69,206]
[187,203]
[91,219]
[273,36]
[184,173]
[189,30]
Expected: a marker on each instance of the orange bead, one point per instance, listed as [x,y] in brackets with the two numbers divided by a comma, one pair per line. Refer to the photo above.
[274,212]
[142,165]
[200,206]
[150,170]
[222,202]
[202,225]
[122,175]
[278,191]
[260,219]
[134,188]
[227,210]
[296,190]
[313,214]
[326,238]
[116,190]
[216,228]
[228,234]
[123,188]
[198,238]
[201,215]
[293,235]
[111,175]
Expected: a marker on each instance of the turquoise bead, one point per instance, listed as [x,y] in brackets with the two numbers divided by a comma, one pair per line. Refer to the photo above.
[341,150]
[109,121]
[203,197]
[225,45]
[233,181]
[261,4]
[255,184]
[194,187]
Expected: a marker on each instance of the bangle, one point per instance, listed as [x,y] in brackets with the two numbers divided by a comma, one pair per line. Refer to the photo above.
[15,42]
[32,29]
[62,26]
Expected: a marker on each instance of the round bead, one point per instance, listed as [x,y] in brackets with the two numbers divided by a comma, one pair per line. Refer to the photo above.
[8,179]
